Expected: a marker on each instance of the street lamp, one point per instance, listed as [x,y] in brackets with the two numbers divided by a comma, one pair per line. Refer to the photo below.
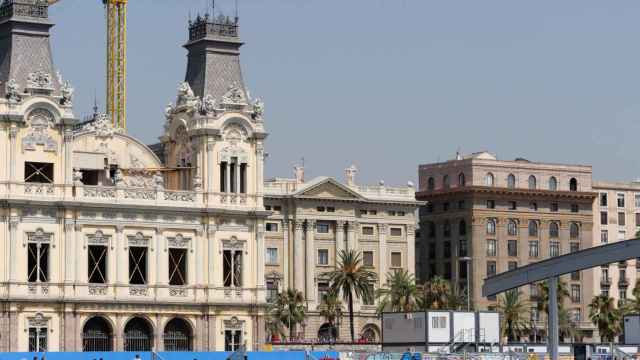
[467,260]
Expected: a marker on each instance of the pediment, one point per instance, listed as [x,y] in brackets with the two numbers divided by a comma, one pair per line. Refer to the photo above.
[330,189]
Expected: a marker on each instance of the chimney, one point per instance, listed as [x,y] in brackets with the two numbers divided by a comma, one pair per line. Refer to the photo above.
[299,172]
[350,174]
[213,66]
[25,52]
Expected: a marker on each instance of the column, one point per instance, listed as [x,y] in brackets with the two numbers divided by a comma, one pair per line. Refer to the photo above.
[13,330]
[210,175]
[13,132]
[411,249]
[260,254]
[69,248]
[286,256]
[121,258]
[76,251]
[310,263]
[14,221]
[382,253]
[158,335]
[228,177]
[215,281]
[259,177]
[298,257]
[160,252]
[351,235]
[339,239]
[68,156]
[199,256]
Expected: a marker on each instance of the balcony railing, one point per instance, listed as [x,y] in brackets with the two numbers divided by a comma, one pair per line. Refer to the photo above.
[605,281]
[23,8]
[623,282]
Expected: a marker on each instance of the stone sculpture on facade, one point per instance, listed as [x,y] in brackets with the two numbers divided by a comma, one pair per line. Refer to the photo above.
[12,91]
[77,177]
[186,98]
[118,178]
[208,105]
[103,126]
[234,96]
[158,181]
[40,80]
[40,120]
[67,94]
[258,109]
[197,183]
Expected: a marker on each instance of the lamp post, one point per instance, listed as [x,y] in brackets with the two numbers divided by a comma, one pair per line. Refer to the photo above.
[467,260]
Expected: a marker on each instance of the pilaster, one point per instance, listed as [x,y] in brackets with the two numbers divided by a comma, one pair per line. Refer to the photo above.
[382,253]
[259,174]
[310,262]
[286,256]
[298,258]
[13,133]
[260,282]
[211,165]
[69,242]
[411,249]
[67,163]
[351,235]
[14,222]
[340,224]
[120,258]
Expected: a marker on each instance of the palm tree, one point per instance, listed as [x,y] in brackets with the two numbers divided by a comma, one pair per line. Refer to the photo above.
[399,294]
[566,326]
[603,314]
[351,278]
[632,306]
[288,310]
[542,299]
[436,294]
[331,310]
[514,315]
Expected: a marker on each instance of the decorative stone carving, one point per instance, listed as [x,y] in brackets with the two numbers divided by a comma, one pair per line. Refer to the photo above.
[233,324]
[178,241]
[158,181]
[138,291]
[118,178]
[39,189]
[40,120]
[77,177]
[177,292]
[350,173]
[197,183]
[102,126]
[138,194]
[98,238]
[208,105]
[186,98]
[233,244]
[98,192]
[67,94]
[168,111]
[179,196]
[258,109]
[96,290]
[12,91]
[40,80]
[39,236]
[138,240]
[38,321]
[234,96]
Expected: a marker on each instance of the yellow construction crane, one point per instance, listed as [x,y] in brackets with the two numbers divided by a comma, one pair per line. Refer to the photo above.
[116,17]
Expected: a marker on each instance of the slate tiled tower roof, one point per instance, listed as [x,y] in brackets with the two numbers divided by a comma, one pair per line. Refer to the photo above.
[24,42]
[214,56]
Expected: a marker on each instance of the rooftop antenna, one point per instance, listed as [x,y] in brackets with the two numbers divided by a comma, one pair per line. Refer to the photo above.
[95,102]
[213,8]
[237,12]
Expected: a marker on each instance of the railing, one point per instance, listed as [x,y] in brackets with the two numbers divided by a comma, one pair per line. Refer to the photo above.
[605,281]
[222,26]
[18,8]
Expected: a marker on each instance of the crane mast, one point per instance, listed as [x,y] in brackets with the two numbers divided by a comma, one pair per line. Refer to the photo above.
[116,18]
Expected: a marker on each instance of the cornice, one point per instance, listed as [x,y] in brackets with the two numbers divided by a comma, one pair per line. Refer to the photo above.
[524,193]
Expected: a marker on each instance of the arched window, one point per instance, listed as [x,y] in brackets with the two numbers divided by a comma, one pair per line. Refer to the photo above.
[511,181]
[97,335]
[553,183]
[532,182]
[445,181]
[512,227]
[138,335]
[533,206]
[489,179]
[491,227]
[554,230]
[461,180]
[327,333]
[431,184]
[574,231]
[177,336]
[462,228]
[573,184]
[369,334]
[533,228]
[447,228]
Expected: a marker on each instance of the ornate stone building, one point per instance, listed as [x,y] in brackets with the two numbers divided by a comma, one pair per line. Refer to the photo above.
[107,244]
[485,216]
[312,221]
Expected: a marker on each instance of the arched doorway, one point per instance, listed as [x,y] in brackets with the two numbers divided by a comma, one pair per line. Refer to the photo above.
[178,336]
[370,333]
[327,333]
[97,335]
[138,335]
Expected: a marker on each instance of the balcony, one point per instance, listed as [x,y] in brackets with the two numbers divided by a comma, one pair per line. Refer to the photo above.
[605,281]
[623,282]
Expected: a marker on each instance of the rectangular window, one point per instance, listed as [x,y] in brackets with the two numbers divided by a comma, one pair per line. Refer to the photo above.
[323,289]
[391,213]
[323,257]
[461,204]
[272,256]
[604,236]
[331,209]
[367,258]
[533,292]
[38,172]
[271,227]
[491,268]
[575,293]
[243,178]
[447,271]
[491,248]
[232,268]
[272,291]
[137,265]
[177,267]
[513,205]
[223,176]
[604,218]
[462,248]
[620,200]
[321,209]
[38,339]
[395,231]
[396,259]
[363,212]
[603,199]
[554,248]
[97,256]
[232,340]
[277,209]
[512,247]
[554,206]
[574,247]
[535,314]
[491,204]
[637,219]
[38,262]
[322,228]
[575,208]
[367,230]
[439,322]
[534,249]
[621,219]
[622,235]
[575,276]
[622,294]
[605,292]
[373,212]
[432,250]
[512,265]
[369,300]
[447,249]
[462,269]
[637,201]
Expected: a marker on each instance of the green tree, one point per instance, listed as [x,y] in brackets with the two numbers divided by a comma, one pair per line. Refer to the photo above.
[632,306]
[542,299]
[399,294]
[352,279]
[605,316]
[514,315]
[566,326]
[288,311]
[436,294]
[331,310]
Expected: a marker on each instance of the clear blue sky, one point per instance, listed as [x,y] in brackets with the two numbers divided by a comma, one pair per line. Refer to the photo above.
[390,84]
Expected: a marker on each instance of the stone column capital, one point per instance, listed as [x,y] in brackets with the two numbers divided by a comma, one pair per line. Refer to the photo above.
[298,224]
[352,225]
[340,224]
[382,228]
[311,223]
[13,132]
[119,229]
[13,222]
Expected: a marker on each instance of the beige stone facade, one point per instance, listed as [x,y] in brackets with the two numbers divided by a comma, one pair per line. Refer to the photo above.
[616,216]
[313,221]
[502,215]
